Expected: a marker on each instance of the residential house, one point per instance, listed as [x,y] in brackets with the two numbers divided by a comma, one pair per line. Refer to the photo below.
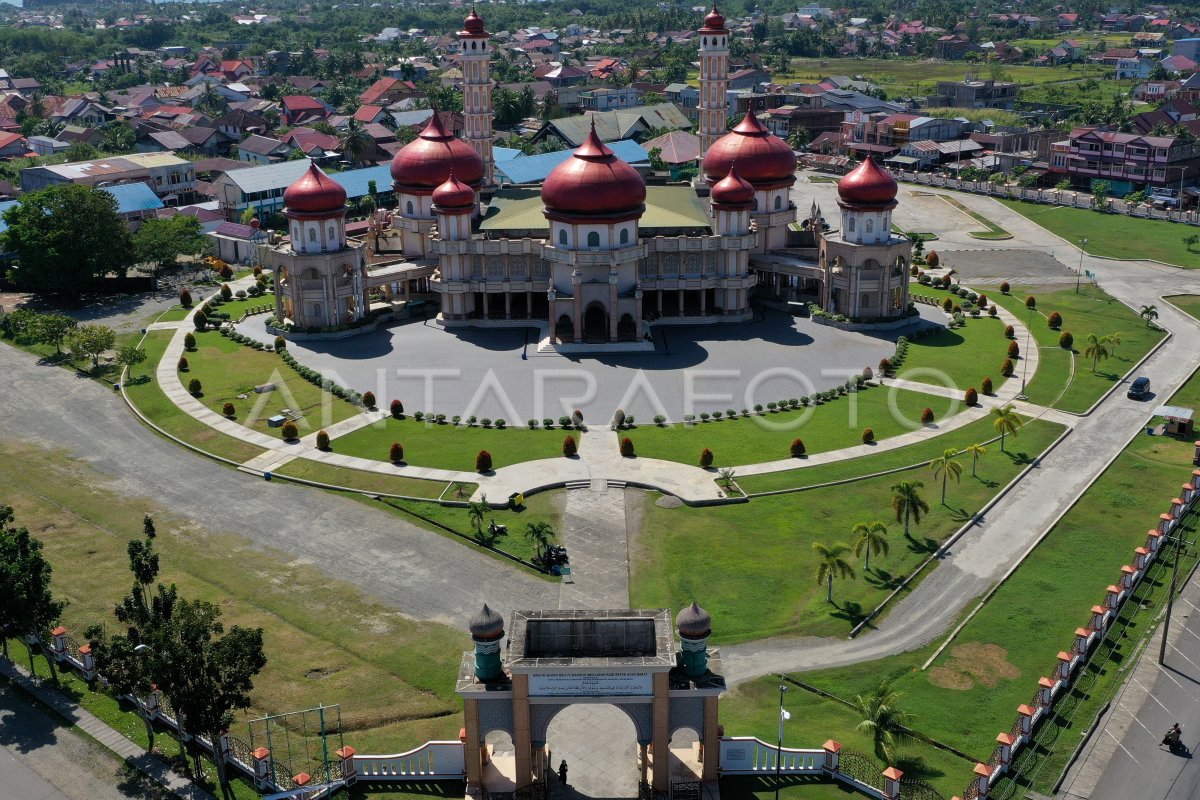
[13,145]
[685,97]
[976,94]
[558,75]
[1126,161]
[1136,68]
[952,46]
[747,79]
[603,99]
[885,134]
[206,141]
[46,145]
[370,114]
[925,154]
[303,83]
[238,123]
[786,119]
[1178,65]
[1156,91]
[262,150]
[313,144]
[613,126]
[1188,48]
[165,173]
[80,111]
[300,110]
[386,91]
[75,133]
[1066,22]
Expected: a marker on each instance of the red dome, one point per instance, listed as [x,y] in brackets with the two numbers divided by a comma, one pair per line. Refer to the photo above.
[715,21]
[454,194]
[762,157]
[473,25]
[426,162]
[593,182]
[314,192]
[733,190]
[867,185]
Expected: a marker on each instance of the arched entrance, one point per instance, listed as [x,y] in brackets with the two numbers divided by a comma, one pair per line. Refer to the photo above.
[595,324]
[599,742]
[626,329]
[564,329]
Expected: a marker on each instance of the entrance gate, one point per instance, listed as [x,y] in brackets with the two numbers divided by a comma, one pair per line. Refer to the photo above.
[561,659]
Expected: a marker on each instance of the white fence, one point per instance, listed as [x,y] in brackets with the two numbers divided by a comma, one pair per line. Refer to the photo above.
[430,761]
[746,755]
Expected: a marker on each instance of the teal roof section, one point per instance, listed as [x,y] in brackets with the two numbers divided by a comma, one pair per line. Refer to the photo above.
[534,169]
[668,208]
[133,198]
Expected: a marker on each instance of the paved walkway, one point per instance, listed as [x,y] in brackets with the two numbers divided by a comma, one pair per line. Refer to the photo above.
[596,541]
[599,744]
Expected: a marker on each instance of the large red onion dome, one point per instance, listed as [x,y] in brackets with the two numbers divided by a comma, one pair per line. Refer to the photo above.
[762,157]
[593,182]
[868,184]
[732,190]
[423,164]
[454,195]
[473,25]
[314,192]
[715,21]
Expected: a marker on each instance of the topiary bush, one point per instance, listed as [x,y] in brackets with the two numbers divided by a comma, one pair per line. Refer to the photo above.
[228,410]
[185,297]
[226,272]
[194,387]
[627,447]
[290,431]
[982,301]
[226,292]
[1030,301]
[986,386]
[971,397]
[396,453]
[885,366]
[280,343]
[182,366]
[1014,349]
[947,304]
[932,258]
[1006,369]
[797,448]
[992,312]
[1004,287]
[927,416]
[322,440]
[868,436]
[368,400]
[1009,332]
[483,461]
[396,409]
[946,281]
[569,446]
[1065,340]
[200,320]
[706,458]
[1054,320]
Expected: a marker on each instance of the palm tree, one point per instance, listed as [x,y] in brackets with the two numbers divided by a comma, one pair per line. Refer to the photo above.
[907,502]
[976,450]
[1114,339]
[1005,421]
[357,144]
[872,538]
[1149,313]
[947,467]
[476,512]
[1097,349]
[883,719]
[830,564]
[539,534]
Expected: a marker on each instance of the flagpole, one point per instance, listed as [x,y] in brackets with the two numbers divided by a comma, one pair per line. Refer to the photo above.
[779,752]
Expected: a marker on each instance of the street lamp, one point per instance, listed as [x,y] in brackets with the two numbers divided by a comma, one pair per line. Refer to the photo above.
[1162,647]
[1025,356]
[779,752]
[1079,272]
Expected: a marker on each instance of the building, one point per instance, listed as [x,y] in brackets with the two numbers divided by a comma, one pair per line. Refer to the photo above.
[971,93]
[605,99]
[262,188]
[168,175]
[1127,162]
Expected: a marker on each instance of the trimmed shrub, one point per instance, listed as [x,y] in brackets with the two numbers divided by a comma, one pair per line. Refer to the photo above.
[483,461]
[420,415]
[290,431]
[322,440]
[1004,287]
[194,387]
[660,420]
[280,343]
[1054,320]
[368,400]
[182,366]
[946,281]
[956,310]
[1030,301]
[986,386]
[868,374]
[982,301]
[189,342]
[627,447]
[618,419]
[226,292]
[885,364]
[868,436]
[706,458]
[533,423]
[1065,340]
[226,272]
[396,453]
[200,320]
[396,408]
[1014,349]
[1006,369]
[947,304]
[932,258]
[548,423]
[486,422]
[569,446]
[992,312]
[228,410]
[927,416]
[185,297]
[1009,332]
[971,397]
[705,416]
[797,448]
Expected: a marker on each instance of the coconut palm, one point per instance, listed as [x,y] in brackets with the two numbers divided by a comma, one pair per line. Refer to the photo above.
[1097,349]
[539,534]
[1148,313]
[872,538]
[476,511]
[1005,421]
[976,450]
[1114,340]
[357,144]
[884,721]
[907,502]
[831,563]
[945,466]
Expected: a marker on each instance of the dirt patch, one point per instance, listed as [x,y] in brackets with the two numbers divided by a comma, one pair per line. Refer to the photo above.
[668,501]
[971,664]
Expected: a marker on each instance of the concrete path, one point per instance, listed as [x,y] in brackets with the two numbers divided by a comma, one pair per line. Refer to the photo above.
[599,744]
[596,541]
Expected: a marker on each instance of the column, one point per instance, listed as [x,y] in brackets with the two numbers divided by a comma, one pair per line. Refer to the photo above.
[637,314]
[522,746]
[681,294]
[662,731]
[703,300]
[659,294]
[507,304]
[528,304]
[471,744]
[613,310]
[710,742]
[577,304]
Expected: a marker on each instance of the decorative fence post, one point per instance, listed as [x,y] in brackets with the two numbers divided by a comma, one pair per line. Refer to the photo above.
[1081,640]
[1128,576]
[983,780]
[346,754]
[1141,557]
[1099,618]
[891,783]
[153,703]
[262,768]
[1177,507]
[89,663]
[1064,665]
[223,748]
[833,752]
[58,643]
[1004,745]
[1045,692]
[1164,523]
[1112,596]
[1025,719]
[302,780]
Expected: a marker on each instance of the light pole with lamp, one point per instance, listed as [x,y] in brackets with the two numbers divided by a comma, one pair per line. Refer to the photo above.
[1162,647]
[783,714]
[1025,354]
[1079,272]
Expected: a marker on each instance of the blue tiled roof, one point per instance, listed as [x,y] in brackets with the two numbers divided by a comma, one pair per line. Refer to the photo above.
[534,169]
[355,181]
[134,197]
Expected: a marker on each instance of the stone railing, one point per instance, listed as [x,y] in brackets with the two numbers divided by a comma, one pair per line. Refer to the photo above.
[747,755]
[1072,661]
[438,760]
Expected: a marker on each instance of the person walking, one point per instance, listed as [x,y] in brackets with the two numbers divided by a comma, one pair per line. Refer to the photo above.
[562,772]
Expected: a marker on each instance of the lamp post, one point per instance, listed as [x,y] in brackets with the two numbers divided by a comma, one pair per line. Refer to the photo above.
[1025,356]
[779,750]
[1162,647]
[1079,272]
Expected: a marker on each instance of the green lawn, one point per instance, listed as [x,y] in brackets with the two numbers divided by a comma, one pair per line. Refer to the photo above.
[236,308]
[366,481]
[1034,437]
[227,369]
[174,314]
[830,426]
[1187,303]
[687,554]
[449,446]
[964,356]
[1114,235]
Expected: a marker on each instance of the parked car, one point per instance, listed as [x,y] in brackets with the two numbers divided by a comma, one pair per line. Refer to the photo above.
[1139,388]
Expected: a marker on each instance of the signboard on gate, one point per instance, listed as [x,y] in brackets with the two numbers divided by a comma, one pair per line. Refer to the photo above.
[591,684]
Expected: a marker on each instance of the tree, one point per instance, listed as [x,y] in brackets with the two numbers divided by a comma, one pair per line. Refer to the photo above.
[946,467]
[1005,422]
[53,329]
[66,237]
[831,563]
[119,137]
[80,151]
[539,534]
[872,538]
[27,606]
[1097,348]
[476,511]
[976,450]
[91,341]
[1148,313]
[1114,340]
[357,144]
[883,720]
[908,503]
[162,241]
[130,356]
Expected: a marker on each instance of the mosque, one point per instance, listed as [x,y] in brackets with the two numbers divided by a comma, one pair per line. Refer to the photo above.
[593,254]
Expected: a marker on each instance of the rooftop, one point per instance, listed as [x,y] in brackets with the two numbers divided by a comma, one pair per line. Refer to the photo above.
[668,208]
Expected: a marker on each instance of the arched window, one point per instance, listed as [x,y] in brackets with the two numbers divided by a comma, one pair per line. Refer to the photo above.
[624,235]
[593,239]
[332,234]
[408,209]
[295,233]
[778,202]
[562,237]
[870,226]
[852,224]
[864,300]
[312,234]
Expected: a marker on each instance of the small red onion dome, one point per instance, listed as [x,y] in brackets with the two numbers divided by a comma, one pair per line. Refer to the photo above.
[423,164]
[454,195]
[314,192]
[593,182]
[868,184]
[715,21]
[733,190]
[473,25]
[763,158]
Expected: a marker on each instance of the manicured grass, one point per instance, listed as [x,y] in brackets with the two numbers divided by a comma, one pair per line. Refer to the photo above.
[964,356]
[322,636]
[449,446]
[1090,311]
[417,790]
[236,308]
[752,709]
[143,391]
[752,788]
[1114,235]
[733,556]
[830,426]
[366,481]
[176,313]
[1187,303]
[990,229]
[227,369]
[1033,438]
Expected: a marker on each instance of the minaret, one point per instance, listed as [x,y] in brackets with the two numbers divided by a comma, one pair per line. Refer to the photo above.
[714,79]
[453,203]
[477,90]
[732,200]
